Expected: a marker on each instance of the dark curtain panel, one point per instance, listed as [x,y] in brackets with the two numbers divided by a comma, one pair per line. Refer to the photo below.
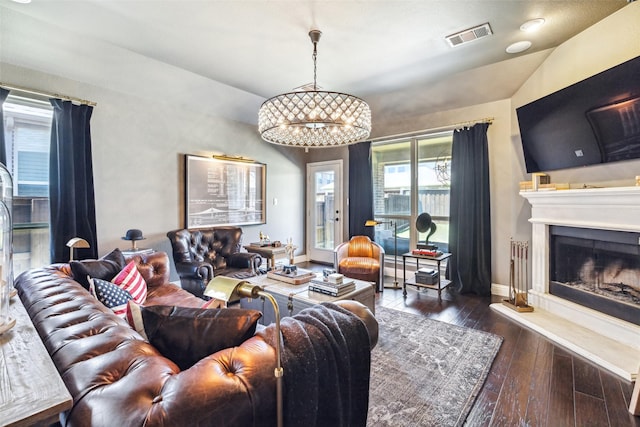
[360,189]
[71,193]
[3,148]
[470,223]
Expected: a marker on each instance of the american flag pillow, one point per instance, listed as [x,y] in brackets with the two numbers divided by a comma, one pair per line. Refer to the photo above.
[111,295]
[131,281]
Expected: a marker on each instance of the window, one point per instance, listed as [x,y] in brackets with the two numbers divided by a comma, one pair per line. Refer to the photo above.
[410,177]
[27,130]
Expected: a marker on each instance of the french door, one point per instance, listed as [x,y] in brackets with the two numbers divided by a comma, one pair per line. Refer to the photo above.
[324,209]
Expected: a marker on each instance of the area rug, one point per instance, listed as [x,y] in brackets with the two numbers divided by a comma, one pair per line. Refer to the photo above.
[425,372]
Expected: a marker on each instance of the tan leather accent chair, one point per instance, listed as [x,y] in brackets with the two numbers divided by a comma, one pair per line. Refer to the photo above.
[360,258]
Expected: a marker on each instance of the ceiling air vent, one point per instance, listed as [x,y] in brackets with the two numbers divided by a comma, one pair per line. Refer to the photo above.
[469,35]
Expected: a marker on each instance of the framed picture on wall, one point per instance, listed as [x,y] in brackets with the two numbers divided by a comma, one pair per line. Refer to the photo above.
[224,192]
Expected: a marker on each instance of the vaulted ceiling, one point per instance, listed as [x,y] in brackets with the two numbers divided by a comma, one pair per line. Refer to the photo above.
[392,53]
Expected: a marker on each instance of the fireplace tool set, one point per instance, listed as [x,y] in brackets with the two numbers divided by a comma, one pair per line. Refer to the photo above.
[518,277]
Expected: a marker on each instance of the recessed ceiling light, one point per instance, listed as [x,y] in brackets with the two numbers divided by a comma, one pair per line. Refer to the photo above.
[532,25]
[22,1]
[518,47]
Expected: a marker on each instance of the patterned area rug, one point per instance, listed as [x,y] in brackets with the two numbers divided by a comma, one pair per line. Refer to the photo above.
[425,372]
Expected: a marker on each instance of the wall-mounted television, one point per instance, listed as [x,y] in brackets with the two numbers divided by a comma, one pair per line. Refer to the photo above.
[596,120]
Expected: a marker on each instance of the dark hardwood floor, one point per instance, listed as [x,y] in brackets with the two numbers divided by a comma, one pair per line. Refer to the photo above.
[532,382]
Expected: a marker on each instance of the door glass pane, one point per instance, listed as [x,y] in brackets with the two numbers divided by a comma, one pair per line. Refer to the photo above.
[434,172]
[392,178]
[324,209]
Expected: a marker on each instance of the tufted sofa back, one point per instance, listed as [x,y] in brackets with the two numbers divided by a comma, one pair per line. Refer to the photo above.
[213,245]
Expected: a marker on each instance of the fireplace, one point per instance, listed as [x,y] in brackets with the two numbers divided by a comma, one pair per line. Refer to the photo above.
[599,269]
[584,274]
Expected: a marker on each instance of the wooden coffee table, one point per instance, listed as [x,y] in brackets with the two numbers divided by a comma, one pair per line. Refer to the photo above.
[294,298]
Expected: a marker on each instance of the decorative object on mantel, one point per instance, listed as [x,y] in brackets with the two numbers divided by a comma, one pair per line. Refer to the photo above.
[309,117]
[542,182]
[518,278]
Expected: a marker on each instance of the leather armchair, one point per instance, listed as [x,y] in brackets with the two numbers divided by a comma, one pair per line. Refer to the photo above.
[201,254]
[360,258]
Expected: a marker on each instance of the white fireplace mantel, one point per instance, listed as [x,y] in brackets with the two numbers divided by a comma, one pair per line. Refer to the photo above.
[605,340]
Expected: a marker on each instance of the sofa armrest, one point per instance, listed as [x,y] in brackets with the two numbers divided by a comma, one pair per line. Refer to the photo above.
[367,317]
[248,260]
[153,267]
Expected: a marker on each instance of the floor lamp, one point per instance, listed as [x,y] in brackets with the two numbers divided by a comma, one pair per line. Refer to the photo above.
[373,223]
[230,289]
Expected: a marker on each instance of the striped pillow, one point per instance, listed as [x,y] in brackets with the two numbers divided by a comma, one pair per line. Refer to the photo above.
[131,281]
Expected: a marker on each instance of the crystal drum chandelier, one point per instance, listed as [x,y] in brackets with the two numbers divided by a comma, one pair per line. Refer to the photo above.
[314,118]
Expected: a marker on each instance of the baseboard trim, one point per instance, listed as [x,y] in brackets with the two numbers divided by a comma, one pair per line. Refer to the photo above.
[500,290]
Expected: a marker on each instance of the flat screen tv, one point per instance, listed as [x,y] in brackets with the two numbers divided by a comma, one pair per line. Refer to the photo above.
[596,120]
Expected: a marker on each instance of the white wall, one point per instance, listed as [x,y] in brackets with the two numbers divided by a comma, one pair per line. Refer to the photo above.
[137,145]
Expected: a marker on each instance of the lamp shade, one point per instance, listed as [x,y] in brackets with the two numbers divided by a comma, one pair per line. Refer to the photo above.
[230,290]
[77,242]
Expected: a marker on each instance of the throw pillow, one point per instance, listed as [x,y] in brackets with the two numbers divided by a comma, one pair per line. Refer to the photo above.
[186,335]
[111,295]
[104,268]
[130,279]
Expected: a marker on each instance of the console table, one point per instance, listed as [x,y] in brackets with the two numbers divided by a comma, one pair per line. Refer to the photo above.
[441,283]
[31,390]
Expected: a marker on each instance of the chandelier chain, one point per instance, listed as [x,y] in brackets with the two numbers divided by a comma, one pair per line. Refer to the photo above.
[315,58]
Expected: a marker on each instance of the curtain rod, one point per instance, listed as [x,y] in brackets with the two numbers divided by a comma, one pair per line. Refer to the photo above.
[437,129]
[47,94]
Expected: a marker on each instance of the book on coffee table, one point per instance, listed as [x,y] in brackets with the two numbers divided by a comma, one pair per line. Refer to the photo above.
[295,278]
[332,288]
[324,290]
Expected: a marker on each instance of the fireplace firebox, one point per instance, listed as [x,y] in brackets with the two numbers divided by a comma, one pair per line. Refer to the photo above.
[599,269]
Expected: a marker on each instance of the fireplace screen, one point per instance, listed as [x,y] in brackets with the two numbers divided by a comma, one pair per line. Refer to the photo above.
[599,269]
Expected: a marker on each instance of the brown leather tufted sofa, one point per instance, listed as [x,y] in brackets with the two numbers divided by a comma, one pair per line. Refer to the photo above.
[201,254]
[118,379]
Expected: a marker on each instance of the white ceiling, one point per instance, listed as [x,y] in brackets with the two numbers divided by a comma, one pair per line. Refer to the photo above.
[392,53]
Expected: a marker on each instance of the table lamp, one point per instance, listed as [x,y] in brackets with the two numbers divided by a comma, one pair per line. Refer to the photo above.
[76,242]
[373,223]
[229,289]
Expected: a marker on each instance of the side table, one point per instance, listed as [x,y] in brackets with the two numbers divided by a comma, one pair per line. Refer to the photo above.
[269,252]
[441,283]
